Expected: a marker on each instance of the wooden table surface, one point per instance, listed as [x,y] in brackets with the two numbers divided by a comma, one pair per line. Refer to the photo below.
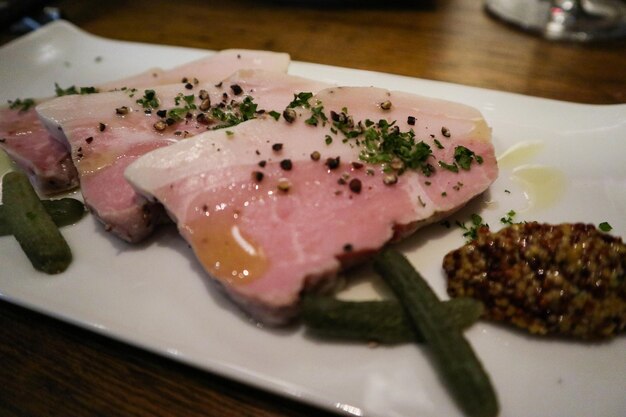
[51,368]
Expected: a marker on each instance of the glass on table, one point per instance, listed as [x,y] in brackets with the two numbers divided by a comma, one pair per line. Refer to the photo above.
[570,20]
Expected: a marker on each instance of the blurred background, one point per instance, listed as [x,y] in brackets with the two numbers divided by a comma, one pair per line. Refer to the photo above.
[449,40]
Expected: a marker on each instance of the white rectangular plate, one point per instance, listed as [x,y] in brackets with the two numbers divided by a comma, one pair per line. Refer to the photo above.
[155,295]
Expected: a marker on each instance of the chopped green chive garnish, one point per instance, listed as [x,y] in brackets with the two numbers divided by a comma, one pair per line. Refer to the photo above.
[21,104]
[508,219]
[149,100]
[471,231]
[605,227]
[449,167]
[464,157]
[274,114]
[300,100]
[59,91]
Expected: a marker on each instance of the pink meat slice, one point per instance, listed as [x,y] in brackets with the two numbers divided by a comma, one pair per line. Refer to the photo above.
[103,142]
[211,68]
[45,160]
[48,163]
[267,230]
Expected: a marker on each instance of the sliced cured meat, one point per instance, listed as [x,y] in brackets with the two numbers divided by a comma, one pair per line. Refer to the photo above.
[152,76]
[49,164]
[212,68]
[107,131]
[45,160]
[274,208]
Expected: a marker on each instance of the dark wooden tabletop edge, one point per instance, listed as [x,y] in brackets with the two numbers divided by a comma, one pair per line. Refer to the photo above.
[105,350]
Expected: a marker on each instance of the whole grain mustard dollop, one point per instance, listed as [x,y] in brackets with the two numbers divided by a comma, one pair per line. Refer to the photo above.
[567,279]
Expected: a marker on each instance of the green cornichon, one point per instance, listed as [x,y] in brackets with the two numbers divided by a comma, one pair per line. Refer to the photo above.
[459,366]
[32,226]
[378,321]
[63,212]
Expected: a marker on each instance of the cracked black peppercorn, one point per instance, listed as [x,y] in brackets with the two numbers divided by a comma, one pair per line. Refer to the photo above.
[286,164]
[333,163]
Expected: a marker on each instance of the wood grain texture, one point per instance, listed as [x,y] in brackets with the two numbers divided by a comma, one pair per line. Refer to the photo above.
[453,41]
[49,368]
